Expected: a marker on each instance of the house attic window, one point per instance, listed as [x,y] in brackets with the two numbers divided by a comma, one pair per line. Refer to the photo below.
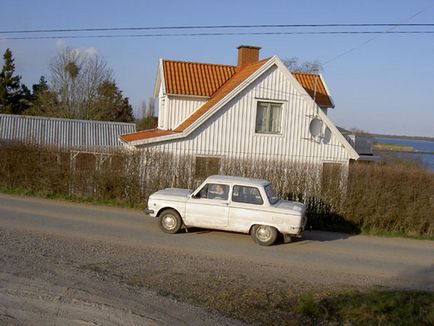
[268,118]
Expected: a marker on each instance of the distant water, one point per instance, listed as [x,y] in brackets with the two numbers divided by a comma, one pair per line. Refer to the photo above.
[427,160]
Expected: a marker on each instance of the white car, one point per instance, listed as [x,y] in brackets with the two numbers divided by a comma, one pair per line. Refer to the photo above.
[231,204]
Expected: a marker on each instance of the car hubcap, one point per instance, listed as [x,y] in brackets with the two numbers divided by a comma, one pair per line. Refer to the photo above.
[169,222]
[263,233]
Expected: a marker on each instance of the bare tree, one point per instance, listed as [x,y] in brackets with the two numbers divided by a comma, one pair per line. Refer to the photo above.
[147,120]
[293,64]
[143,110]
[151,107]
[75,77]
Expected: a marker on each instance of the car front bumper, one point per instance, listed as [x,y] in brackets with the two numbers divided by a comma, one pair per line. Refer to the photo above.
[148,211]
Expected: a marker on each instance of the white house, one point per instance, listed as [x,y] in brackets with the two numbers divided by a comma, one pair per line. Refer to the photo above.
[256,109]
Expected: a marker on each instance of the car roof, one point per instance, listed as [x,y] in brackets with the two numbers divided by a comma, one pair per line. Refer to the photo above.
[240,180]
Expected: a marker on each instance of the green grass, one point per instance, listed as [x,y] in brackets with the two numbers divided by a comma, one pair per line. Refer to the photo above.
[395,234]
[269,303]
[279,306]
[73,198]
[375,307]
[393,147]
[308,307]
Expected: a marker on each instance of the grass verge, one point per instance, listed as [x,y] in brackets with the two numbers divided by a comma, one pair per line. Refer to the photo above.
[274,301]
[395,234]
[374,307]
[73,198]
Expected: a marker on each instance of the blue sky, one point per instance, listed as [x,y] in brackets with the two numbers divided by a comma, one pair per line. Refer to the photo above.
[385,86]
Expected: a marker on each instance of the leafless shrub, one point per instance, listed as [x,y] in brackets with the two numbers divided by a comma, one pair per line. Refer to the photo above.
[392,197]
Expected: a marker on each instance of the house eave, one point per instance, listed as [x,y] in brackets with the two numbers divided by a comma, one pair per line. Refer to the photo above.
[159,80]
[186,96]
[328,92]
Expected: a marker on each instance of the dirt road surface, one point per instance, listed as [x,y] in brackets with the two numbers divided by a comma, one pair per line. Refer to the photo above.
[71,264]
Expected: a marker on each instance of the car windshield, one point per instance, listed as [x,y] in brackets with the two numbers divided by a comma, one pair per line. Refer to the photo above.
[271,197]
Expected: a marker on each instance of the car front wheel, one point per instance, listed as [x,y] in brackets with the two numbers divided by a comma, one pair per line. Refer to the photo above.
[264,235]
[169,221]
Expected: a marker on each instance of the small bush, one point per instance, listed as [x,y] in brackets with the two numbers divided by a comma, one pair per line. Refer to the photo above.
[381,308]
[307,306]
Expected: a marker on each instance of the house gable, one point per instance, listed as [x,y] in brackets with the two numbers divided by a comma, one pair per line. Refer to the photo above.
[351,151]
[230,130]
[232,86]
[182,87]
[227,94]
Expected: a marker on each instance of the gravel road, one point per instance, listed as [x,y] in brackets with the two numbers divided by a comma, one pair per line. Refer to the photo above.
[71,264]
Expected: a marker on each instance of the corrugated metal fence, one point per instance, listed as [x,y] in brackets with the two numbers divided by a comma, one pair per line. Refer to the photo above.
[64,134]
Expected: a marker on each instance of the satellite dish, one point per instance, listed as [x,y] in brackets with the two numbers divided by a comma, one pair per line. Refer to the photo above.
[327,135]
[315,127]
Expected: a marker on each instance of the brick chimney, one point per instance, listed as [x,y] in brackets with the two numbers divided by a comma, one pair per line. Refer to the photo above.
[247,54]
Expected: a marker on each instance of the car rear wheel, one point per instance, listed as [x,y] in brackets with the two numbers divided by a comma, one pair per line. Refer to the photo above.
[264,235]
[169,221]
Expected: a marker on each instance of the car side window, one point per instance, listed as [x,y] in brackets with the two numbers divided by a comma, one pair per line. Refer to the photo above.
[203,193]
[214,191]
[248,195]
[218,191]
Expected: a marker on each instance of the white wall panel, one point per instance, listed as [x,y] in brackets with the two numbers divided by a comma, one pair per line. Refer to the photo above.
[179,108]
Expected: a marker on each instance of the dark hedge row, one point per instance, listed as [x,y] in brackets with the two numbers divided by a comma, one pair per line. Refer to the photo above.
[387,197]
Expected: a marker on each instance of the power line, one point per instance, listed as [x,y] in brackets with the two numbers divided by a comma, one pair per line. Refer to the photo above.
[213,27]
[212,34]
[387,31]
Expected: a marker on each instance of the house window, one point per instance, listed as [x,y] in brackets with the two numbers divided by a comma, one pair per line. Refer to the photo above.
[206,166]
[268,118]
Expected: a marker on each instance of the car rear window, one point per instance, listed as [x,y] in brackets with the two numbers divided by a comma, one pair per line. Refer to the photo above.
[248,195]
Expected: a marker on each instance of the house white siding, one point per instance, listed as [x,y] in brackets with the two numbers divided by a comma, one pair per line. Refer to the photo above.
[162,108]
[172,109]
[179,108]
[230,132]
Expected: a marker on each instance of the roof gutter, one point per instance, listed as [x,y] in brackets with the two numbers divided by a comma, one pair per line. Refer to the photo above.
[327,90]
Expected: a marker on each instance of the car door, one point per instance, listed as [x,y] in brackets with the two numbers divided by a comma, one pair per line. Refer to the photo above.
[245,208]
[209,207]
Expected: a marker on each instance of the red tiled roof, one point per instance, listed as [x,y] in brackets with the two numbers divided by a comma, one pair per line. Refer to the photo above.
[204,79]
[310,82]
[144,134]
[216,81]
[193,78]
[236,79]
[241,75]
